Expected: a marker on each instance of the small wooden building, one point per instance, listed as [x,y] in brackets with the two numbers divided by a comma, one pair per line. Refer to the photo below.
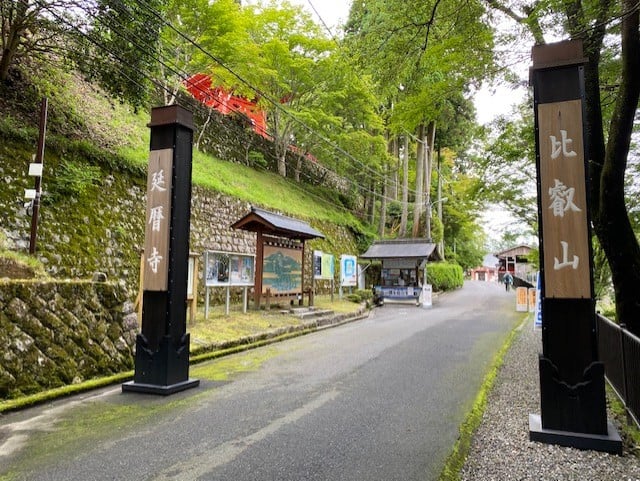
[404,267]
[488,271]
[515,260]
[279,270]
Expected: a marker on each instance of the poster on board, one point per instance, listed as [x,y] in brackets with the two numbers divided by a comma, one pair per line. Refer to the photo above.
[228,269]
[323,265]
[282,270]
[348,271]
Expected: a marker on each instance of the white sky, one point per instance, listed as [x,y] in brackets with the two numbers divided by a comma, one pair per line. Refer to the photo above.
[493,101]
[333,12]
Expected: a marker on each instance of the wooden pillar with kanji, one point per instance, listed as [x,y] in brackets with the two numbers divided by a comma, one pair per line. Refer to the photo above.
[162,348]
[572,389]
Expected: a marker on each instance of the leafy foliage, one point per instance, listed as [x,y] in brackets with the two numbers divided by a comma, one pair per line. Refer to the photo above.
[74,179]
[444,276]
[26,32]
[361,295]
[120,49]
[508,167]
[609,34]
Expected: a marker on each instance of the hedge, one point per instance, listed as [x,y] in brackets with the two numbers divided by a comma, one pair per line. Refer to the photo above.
[444,276]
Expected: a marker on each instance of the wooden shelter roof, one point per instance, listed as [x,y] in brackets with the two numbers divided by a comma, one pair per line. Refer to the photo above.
[259,220]
[521,250]
[402,249]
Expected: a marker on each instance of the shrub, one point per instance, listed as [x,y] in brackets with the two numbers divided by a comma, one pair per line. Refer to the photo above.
[256,159]
[444,276]
[361,295]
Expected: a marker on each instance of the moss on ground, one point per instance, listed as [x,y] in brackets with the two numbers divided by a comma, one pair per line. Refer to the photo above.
[455,460]
[99,419]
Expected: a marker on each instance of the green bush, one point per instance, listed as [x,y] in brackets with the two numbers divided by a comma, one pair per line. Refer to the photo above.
[444,276]
[256,159]
[361,295]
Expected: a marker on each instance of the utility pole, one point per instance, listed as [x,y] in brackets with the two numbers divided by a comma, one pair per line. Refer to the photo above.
[38,178]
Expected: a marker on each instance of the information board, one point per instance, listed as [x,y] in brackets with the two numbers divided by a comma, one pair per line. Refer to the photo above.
[229,269]
[323,265]
[348,271]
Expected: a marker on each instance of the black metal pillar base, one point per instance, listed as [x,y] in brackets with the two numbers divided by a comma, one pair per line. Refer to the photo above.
[577,405]
[133,386]
[574,415]
[165,371]
[609,443]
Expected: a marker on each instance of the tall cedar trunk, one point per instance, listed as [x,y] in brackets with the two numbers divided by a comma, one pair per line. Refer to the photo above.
[611,221]
[391,148]
[419,200]
[371,214]
[383,201]
[405,187]
[429,140]
[440,201]
[396,171]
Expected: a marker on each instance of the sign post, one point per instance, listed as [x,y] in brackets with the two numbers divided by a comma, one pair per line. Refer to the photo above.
[572,391]
[35,170]
[228,269]
[324,269]
[162,348]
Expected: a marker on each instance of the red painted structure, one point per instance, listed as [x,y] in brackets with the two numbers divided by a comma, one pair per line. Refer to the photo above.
[202,89]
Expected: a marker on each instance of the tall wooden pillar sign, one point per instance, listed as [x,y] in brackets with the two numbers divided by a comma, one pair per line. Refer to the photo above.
[572,390]
[162,348]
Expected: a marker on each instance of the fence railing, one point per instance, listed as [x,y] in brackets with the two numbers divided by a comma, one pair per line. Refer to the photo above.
[619,350]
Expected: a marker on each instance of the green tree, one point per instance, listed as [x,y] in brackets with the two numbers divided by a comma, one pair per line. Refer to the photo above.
[26,31]
[464,239]
[611,36]
[420,57]
[344,129]
[120,48]
[284,48]
[197,35]
[507,167]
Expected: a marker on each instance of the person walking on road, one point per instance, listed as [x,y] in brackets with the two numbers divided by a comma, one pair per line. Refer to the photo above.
[508,280]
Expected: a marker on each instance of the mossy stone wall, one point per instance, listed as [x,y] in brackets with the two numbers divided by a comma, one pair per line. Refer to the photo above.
[103,230]
[61,332]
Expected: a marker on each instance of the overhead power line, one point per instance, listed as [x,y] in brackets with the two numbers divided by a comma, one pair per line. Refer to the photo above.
[184,75]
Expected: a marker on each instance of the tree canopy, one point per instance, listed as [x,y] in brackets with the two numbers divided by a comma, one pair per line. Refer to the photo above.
[388,107]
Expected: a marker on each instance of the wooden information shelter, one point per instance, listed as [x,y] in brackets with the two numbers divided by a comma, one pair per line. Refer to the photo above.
[279,269]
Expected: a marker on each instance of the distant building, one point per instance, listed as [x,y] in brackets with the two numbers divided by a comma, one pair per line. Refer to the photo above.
[515,260]
[494,266]
[488,272]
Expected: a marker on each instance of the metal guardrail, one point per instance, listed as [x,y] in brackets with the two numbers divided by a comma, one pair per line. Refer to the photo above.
[619,350]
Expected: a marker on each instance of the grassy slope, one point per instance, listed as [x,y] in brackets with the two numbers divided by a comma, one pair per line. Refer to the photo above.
[84,120]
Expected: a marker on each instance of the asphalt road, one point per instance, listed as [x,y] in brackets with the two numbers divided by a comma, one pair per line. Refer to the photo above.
[377,399]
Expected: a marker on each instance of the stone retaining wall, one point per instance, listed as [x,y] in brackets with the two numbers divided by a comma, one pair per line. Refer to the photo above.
[60,332]
[105,232]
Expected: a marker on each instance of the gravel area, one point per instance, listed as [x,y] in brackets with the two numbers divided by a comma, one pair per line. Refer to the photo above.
[501,449]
